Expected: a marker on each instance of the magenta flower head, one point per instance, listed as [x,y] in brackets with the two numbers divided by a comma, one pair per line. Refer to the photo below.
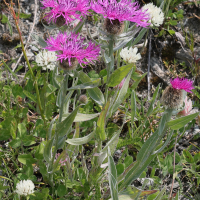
[71,50]
[117,12]
[65,11]
[174,95]
[182,84]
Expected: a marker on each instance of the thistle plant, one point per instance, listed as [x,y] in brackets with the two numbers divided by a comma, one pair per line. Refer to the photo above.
[84,113]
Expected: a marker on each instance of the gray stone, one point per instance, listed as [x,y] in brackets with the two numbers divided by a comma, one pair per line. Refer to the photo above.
[34,48]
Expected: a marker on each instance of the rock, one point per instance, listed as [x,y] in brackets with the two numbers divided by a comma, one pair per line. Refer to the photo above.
[12,53]
[193,25]
[29,54]
[150,181]
[155,68]
[34,48]
[175,185]
[118,152]
[196,130]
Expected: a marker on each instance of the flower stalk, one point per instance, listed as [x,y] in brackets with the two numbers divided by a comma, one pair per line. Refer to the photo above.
[110,66]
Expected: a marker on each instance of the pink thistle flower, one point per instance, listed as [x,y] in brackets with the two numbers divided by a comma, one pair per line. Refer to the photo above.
[182,84]
[71,46]
[69,10]
[124,10]
[188,108]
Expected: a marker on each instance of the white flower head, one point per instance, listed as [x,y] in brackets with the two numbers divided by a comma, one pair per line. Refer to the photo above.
[46,59]
[155,13]
[25,187]
[130,55]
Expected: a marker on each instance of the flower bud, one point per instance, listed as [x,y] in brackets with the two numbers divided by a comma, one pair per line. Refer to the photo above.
[66,65]
[172,98]
[83,99]
[113,27]
[60,21]
[174,95]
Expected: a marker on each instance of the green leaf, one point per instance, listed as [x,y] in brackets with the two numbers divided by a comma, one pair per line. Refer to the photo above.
[3,187]
[173,22]
[26,159]
[63,127]
[171,32]
[181,122]
[40,150]
[50,89]
[15,143]
[101,122]
[131,193]
[120,169]
[161,194]
[135,84]
[24,15]
[133,106]
[48,151]
[197,157]
[40,195]
[28,140]
[30,96]
[80,141]
[95,93]
[22,130]
[80,117]
[61,190]
[4,19]
[153,101]
[87,85]
[112,177]
[188,157]
[139,37]
[128,160]
[40,41]
[118,75]
[8,68]
[122,93]
[17,90]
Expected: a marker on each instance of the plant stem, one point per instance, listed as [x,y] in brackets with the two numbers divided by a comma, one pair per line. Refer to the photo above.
[65,86]
[170,196]
[110,66]
[27,61]
[149,60]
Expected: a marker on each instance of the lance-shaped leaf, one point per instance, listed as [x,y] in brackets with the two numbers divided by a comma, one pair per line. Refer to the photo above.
[153,101]
[87,85]
[40,41]
[47,151]
[161,194]
[133,106]
[122,93]
[63,127]
[181,122]
[80,117]
[118,75]
[131,193]
[135,84]
[80,141]
[95,93]
[112,177]
[138,38]
[101,122]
